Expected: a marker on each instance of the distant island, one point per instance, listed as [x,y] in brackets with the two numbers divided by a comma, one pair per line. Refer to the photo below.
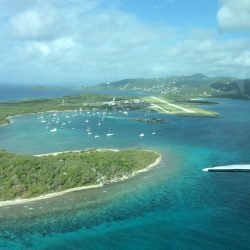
[44,176]
[184,87]
[47,87]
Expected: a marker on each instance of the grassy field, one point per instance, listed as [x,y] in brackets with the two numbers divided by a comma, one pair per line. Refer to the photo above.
[163,105]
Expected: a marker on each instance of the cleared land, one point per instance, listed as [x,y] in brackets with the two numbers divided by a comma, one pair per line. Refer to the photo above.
[163,105]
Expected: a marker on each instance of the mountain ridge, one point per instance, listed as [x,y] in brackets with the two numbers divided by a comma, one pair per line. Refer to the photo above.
[196,85]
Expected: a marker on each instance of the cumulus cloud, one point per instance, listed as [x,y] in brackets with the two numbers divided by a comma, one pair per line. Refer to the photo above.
[86,41]
[234,15]
[34,24]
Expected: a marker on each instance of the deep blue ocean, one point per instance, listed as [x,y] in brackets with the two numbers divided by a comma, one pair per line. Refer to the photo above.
[174,206]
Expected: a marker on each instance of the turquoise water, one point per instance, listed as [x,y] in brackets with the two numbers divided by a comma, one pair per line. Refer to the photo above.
[174,206]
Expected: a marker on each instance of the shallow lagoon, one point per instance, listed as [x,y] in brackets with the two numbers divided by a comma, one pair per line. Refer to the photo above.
[174,206]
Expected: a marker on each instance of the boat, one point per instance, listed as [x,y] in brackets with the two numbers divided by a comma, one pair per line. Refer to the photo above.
[109,133]
[53,130]
[141,135]
[89,131]
[97,136]
[99,123]
[153,133]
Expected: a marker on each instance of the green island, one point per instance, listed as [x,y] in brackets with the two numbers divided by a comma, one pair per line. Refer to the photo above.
[26,176]
[152,120]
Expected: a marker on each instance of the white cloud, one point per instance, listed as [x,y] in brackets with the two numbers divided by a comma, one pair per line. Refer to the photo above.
[83,41]
[36,23]
[234,15]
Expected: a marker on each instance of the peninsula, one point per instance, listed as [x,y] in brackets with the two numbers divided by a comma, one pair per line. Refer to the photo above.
[86,101]
[90,101]
[38,177]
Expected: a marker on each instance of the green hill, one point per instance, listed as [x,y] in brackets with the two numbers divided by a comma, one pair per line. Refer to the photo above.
[192,86]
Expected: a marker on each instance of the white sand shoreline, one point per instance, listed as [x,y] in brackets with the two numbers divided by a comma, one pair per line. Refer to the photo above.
[51,195]
[76,151]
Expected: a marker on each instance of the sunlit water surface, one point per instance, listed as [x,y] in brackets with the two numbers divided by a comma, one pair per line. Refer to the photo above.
[173,206]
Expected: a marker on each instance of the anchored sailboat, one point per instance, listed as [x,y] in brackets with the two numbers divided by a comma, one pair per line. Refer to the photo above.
[109,133]
[89,131]
[153,133]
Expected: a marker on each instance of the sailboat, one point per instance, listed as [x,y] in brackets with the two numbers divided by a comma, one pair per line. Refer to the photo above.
[109,133]
[153,133]
[89,131]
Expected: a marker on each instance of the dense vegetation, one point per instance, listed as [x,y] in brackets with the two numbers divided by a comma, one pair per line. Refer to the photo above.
[71,102]
[30,176]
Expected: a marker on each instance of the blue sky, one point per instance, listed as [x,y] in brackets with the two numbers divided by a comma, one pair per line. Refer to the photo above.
[185,14]
[92,41]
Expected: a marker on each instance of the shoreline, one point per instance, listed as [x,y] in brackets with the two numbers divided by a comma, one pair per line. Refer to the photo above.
[77,151]
[8,118]
[55,194]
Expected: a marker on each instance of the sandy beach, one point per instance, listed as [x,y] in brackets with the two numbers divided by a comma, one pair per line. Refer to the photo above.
[76,151]
[51,195]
